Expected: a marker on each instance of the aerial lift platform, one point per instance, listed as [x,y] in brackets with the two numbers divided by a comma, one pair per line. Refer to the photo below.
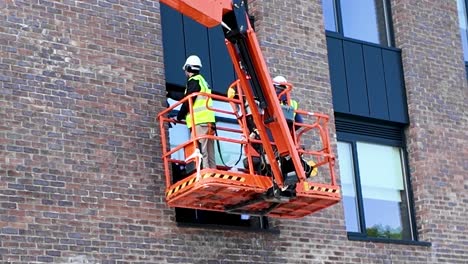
[280,148]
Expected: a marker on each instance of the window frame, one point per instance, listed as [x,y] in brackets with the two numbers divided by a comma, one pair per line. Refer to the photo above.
[465,2]
[351,138]
[339,24]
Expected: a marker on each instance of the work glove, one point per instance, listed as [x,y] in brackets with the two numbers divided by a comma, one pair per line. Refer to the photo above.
[231,93]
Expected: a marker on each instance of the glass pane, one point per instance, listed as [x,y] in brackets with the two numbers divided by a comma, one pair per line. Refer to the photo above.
[178,134]
[231,152]
[463,26]
[348,187]
[383,190]
[365,20]
[329,15]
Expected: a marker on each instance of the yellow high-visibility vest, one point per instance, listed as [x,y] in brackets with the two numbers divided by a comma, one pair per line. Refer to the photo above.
[294,105]
[201,113]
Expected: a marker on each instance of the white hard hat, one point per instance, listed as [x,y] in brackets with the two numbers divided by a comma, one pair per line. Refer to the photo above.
[194,62]
[279,80]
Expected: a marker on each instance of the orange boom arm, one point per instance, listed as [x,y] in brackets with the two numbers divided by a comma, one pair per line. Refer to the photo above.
[207,13]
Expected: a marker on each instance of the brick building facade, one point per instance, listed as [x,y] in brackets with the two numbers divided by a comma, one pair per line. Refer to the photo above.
[80,172]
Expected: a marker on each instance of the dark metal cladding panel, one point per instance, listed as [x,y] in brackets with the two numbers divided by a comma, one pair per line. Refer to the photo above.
[173,45]
[182,37]
[356,79]
[196,43]
[222,71]
[376,87]
[338,75]
[396,92]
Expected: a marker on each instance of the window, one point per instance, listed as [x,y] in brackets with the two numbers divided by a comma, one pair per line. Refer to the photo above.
[374,181]
[366,20]
[462,21]
[329,14]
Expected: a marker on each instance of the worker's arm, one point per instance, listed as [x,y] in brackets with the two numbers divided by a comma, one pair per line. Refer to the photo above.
[192,87]
[175,95]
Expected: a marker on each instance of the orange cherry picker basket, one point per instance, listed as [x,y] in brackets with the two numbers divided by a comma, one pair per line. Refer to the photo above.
[243,189]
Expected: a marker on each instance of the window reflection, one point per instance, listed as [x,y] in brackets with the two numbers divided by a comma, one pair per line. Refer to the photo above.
[462,21]
[178,134]
[348,187]
[383,191]
[231,152]
[329,15]
[364,20]
[375,197]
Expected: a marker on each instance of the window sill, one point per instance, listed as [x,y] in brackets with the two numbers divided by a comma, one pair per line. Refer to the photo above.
[389,241]
[228,228]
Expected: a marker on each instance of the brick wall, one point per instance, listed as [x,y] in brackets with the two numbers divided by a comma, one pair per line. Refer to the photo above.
[292,37]
[437,140]
[80,174]
[81,83]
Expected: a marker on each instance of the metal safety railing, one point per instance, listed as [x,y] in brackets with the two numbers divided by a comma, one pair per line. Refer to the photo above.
[238,112]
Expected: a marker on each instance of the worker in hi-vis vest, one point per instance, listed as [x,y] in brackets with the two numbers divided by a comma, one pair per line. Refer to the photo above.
[203,118]
[279,82]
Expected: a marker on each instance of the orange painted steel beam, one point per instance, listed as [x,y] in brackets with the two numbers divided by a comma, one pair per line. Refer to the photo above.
[207,13]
